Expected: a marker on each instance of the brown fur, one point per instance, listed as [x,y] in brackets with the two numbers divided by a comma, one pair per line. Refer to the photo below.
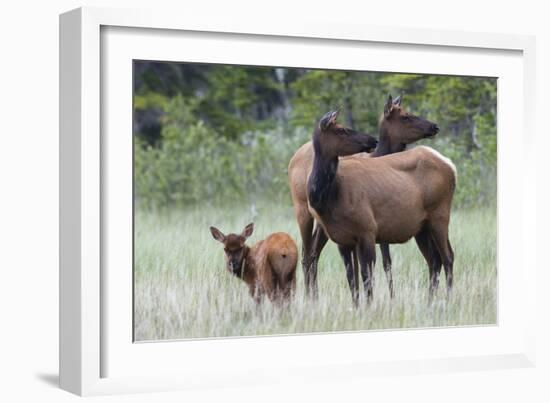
[397,129]
[388,199]
[268,267]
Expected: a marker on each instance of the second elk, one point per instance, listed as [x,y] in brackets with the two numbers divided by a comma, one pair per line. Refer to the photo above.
[390,199]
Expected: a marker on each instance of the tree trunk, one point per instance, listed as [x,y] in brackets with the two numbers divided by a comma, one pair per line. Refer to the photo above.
[473,143]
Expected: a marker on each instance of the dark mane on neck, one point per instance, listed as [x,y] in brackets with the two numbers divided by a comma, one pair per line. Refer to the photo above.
[321,186]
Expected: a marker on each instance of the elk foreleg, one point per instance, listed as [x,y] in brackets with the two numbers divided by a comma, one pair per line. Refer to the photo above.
[319,241]
[367,260]
[353,280]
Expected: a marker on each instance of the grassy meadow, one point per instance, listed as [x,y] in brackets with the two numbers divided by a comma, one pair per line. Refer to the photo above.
[182,290]
[210,139]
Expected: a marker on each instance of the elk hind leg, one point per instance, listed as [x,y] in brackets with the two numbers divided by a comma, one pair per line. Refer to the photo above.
[440,237]
[305,224]
[432,257]
[386,260]
[288,285]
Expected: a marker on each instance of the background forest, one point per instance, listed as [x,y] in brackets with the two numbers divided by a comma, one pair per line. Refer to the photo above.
[211,147]
[214,133]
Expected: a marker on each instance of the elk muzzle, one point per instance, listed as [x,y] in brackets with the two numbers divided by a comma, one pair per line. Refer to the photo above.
[370,144]
[434,129]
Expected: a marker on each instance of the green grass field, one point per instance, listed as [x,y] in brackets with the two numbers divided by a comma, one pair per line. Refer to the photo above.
[182,289]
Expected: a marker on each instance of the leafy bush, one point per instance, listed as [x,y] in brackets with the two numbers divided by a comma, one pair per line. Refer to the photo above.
[194,164]
[476,169]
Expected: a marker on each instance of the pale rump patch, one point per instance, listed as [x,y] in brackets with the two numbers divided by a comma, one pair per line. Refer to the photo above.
[442,158]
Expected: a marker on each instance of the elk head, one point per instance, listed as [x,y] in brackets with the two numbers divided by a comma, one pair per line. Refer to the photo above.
[401,127]
[331,139]
[234,247]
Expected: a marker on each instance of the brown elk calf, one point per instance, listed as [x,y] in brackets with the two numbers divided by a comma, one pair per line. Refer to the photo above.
[268,267]
[363,201]
[396,129]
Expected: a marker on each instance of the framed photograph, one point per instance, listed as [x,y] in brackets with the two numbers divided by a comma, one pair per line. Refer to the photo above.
[236,198]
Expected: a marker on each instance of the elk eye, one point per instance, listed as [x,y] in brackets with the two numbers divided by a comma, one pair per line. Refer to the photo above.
[406,118]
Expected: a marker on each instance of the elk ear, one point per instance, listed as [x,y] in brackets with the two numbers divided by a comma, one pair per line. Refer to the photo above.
[397,101]
[328,119]
[247,231]
[389,106]
[217,234]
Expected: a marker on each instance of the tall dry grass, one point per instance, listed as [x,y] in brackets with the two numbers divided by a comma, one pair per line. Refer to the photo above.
[182,289]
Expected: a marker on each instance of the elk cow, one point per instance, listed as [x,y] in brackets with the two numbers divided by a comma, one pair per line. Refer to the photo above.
[397,129]
[268,267]
[390,199]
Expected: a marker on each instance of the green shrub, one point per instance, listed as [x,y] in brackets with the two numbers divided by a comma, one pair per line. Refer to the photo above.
[193,164]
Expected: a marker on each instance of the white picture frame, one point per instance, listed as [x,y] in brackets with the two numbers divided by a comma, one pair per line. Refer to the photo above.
[90,344]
